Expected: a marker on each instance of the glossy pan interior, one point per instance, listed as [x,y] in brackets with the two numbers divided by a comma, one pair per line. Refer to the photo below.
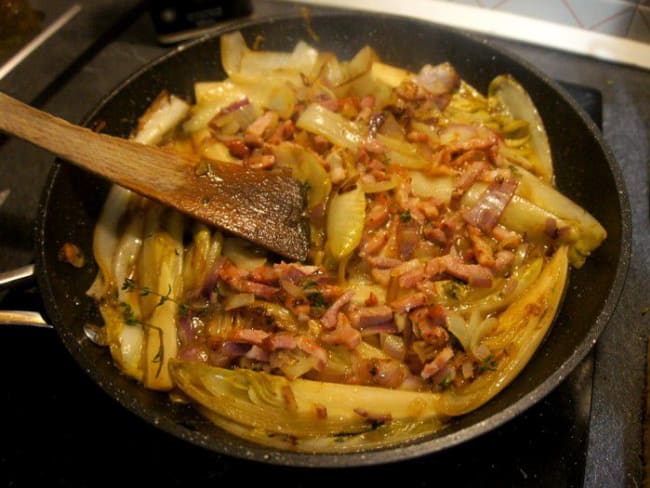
[586,172]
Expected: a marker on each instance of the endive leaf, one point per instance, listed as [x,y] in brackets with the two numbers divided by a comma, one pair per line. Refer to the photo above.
[345,218]
[265,406]
[512,97]
[520,330]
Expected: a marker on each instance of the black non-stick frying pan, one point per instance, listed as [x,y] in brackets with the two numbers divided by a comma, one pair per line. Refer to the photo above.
[585,171]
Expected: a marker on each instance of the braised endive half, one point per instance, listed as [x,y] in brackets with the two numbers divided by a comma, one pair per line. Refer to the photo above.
[440,252]
[318,416]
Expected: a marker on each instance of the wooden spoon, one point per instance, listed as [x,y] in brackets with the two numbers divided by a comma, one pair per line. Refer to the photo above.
[264,208]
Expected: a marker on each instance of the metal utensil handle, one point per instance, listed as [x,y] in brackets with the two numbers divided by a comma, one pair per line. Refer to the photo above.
[14,278]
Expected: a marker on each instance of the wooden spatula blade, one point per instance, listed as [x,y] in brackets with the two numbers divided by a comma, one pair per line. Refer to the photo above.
[262,207]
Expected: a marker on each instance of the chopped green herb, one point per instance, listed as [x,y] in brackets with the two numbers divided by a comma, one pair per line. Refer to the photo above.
[128,285]
[316,299]
[405,216]
[160,354]
[127,313]
[490,364]
[451,290]
[446,383]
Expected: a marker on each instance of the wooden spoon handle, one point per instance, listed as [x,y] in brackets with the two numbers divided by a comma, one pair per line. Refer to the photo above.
[108,156]
[264,208]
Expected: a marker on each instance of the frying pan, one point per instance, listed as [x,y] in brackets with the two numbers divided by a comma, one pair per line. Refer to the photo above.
[585,171]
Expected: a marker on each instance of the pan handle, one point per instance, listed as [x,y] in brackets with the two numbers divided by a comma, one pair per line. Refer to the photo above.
[14,278]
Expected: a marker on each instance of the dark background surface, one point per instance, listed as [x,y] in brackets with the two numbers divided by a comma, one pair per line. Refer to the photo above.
[58,428]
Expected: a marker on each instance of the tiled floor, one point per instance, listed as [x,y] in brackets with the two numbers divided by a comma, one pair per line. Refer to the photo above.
[623,18]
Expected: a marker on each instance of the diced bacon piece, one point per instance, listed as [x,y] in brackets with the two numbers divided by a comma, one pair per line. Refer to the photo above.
[238,279]
[330,292]
[367,101]
[430,322]
[329,318]
[481,247]
[281,340]
[373,146]
[407,266]
[228,271]
[439,362]
[452,224]
[417,136]
[465,137]
[469,157]
[237,148]
[283,132]
[378,214]
[435,268]
[320,144]
[264,274]
[507,239]
[255,132]
[257,160]
[365,316]
[474,274]
[249,336]
[342,334]
[287,340]
[411,278]
[429,207]
[309,345]
[503,261]
[498,174]
[373,242]
[331,104]
[439,79]
[435,235]
[383,262]
[408,239]
[381,276]
[409,302]
[258,354]
[295,272]
[375,166]
[260,290]
[470,175]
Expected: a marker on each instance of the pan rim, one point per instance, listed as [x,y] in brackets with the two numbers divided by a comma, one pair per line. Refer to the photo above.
[414,449]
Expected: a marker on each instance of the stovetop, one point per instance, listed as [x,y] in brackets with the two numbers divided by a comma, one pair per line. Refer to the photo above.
[60,428]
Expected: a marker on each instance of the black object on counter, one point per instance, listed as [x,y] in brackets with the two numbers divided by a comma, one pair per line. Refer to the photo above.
[177,20]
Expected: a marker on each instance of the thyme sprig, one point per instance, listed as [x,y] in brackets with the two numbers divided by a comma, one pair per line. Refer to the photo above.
[143,291]
[132,320]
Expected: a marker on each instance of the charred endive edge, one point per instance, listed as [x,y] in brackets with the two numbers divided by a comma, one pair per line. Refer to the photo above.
[314,416]
[520,331]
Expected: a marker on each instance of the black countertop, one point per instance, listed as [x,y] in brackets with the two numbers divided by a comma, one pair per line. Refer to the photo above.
[61,429]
